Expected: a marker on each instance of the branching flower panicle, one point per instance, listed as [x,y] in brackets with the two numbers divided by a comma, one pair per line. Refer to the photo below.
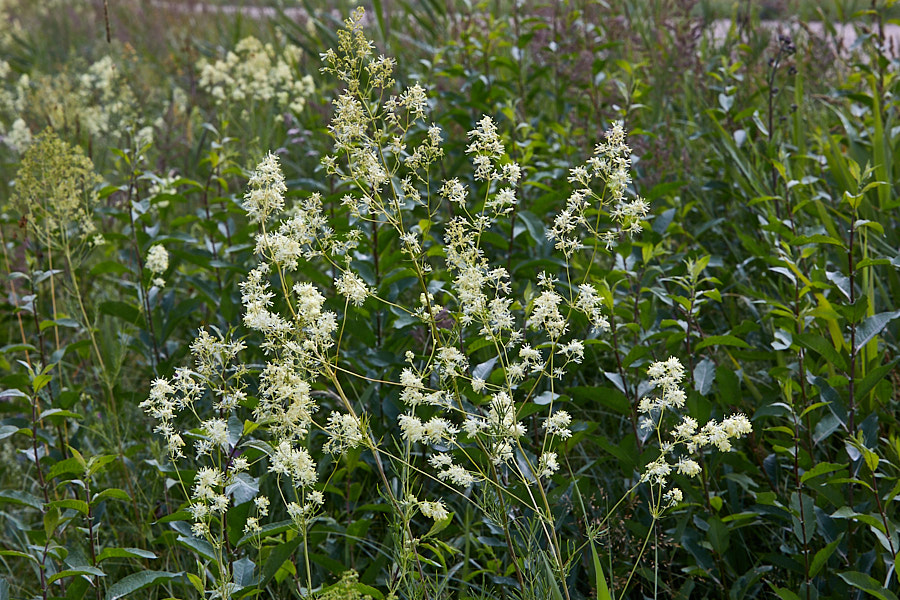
[684,437]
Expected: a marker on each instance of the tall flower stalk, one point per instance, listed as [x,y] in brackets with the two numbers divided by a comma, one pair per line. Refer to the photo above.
[462,429]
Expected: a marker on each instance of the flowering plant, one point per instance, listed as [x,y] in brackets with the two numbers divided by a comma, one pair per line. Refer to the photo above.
[492,434]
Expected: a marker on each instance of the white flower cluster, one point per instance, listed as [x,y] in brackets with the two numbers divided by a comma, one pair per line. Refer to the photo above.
[666,376]
[344,433]
[610,165]
[296,463]
[352,287]
[157,263]
[448,471]
[558,424]
[13,99]
[99,99]
[434,510]
[215,373]
[208,499]
[255,72]
[266,195]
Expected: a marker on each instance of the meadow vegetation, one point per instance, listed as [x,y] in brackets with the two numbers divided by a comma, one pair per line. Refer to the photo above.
[429,300]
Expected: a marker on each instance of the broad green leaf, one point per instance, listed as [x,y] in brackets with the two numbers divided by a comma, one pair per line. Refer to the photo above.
[58,413]
[439,526]
[867,383]
[124,553]
[720,340]
[85,570]
[40,381]
[276,558]
[20,555]
[804,517]
[871,458]
[121,310]
[812,407]
[51,521]
[823,347]
[201,547]
[785,594]
[718,535]
[867,584]
[19,497]
[113,493]
[139,581]
[822,557]
[65,467]
[96,463]
[817,238]
[872,327]
[109,266]
[79,505]
[242,571]
[704,375]
[821,469]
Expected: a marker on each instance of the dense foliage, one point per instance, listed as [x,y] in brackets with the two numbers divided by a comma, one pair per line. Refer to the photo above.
[448,300]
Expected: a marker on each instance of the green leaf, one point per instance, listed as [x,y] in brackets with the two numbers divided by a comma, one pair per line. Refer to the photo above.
[785,594]
[201,547]
[717,534]
[867,383]
[19,497]
[845,512]
[98,462]
[822,557]
[721,340]
[871,458]
[863,582]
[818,238]
[139,581]
[821,469]
[600,579]
[51,520]
[85,570]
[58,413]
[439,526]
[79,505]
[813,407]
[872,327]
[40,381]
[822,347]
[114,493]
[63,467]
[805,527]
[7,431]
[242,571]
[13,393]
[20,555]
[704,375]
[124,553]
[552,578]
[276,558]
